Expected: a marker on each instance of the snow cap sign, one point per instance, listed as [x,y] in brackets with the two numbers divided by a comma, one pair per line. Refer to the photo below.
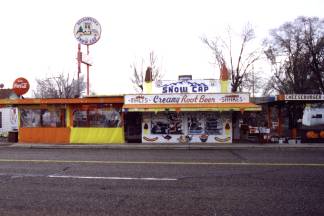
[87,30]
[20,86]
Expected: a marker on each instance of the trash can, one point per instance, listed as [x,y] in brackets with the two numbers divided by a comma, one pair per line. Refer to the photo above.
[281,140]
[13,136]
[292,141]
[298,140]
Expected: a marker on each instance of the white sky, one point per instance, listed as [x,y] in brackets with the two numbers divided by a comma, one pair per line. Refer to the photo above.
[37,39]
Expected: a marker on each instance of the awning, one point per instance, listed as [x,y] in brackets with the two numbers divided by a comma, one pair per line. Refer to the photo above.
[38,101]
[191,107]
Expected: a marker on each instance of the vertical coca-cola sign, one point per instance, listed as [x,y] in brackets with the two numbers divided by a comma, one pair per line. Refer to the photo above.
[20,86]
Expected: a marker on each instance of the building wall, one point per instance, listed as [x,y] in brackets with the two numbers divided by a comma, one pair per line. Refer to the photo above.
[44,135]
[77,124]
[195,127]
[97,135]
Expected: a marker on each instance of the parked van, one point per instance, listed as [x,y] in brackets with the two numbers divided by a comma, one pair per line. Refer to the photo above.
[313,116]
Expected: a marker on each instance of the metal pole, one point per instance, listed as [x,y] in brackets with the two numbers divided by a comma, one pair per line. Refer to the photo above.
[79,56]
[88,67]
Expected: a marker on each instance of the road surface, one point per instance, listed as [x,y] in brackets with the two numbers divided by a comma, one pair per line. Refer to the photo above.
[161,182]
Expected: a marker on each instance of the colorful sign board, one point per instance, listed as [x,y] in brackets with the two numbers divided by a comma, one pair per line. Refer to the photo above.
[187,98]
[192,127]
[87,30]
[188,86]
[20,86]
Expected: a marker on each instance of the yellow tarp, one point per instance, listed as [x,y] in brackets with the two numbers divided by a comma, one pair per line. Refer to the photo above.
[97,135]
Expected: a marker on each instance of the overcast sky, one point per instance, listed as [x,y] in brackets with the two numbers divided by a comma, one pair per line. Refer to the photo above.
[37,39]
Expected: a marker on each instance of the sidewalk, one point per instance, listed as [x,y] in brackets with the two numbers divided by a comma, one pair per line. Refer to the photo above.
[193,146]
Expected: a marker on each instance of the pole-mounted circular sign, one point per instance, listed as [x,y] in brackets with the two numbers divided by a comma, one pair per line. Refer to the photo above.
[20,86]
[87,30]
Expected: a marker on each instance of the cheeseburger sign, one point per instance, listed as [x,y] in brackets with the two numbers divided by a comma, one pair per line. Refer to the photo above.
[87,30]
[20,86]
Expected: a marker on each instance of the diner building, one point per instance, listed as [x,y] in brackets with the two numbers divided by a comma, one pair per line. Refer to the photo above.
[168,111]
[69,121]
[298,117]
[186,110]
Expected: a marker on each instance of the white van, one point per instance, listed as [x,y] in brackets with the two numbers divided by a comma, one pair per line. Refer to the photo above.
[8,120]
[313,116]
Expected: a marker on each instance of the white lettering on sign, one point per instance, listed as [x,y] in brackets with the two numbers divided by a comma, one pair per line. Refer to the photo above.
[187,98]
[20,85]
[304,97]
[187,86]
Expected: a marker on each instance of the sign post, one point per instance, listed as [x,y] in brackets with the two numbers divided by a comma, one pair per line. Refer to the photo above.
[87,31]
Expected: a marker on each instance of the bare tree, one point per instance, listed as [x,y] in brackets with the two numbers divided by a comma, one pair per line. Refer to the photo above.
[241,66]
[60,86]
[253,82]
[296,53]
[138,76]
[138,71]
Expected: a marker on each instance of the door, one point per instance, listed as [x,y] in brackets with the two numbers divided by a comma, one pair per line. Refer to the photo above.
[133,127]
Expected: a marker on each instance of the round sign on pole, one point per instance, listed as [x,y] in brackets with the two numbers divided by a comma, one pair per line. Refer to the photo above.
[87,30]
[20,86]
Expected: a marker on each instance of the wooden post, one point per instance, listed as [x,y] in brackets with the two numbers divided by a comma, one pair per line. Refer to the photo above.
[269,116]
[279,121]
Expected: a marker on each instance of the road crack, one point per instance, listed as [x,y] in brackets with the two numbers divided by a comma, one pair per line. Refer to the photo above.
[121,201]
[60,172]
[238,156]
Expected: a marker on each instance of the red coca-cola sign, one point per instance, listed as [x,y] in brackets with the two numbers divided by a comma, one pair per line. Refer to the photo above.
[20,86]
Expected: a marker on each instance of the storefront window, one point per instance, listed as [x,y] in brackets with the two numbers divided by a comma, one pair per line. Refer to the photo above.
[30,118]
[169,123]
[195,123]
[213,124]
[42,118]
[98,117]
[205,123]
[53,118]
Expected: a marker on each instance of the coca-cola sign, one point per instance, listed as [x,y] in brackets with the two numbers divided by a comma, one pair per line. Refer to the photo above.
[20,86]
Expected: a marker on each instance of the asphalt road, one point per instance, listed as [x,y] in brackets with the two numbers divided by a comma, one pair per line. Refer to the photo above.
[161,182]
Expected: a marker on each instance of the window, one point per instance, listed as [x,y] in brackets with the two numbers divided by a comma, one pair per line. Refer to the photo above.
[196,123]
[317,116]
[205,123]
[30,118]
[42,117]
[170,123]
[97,117]
[53,118]
[213,124]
